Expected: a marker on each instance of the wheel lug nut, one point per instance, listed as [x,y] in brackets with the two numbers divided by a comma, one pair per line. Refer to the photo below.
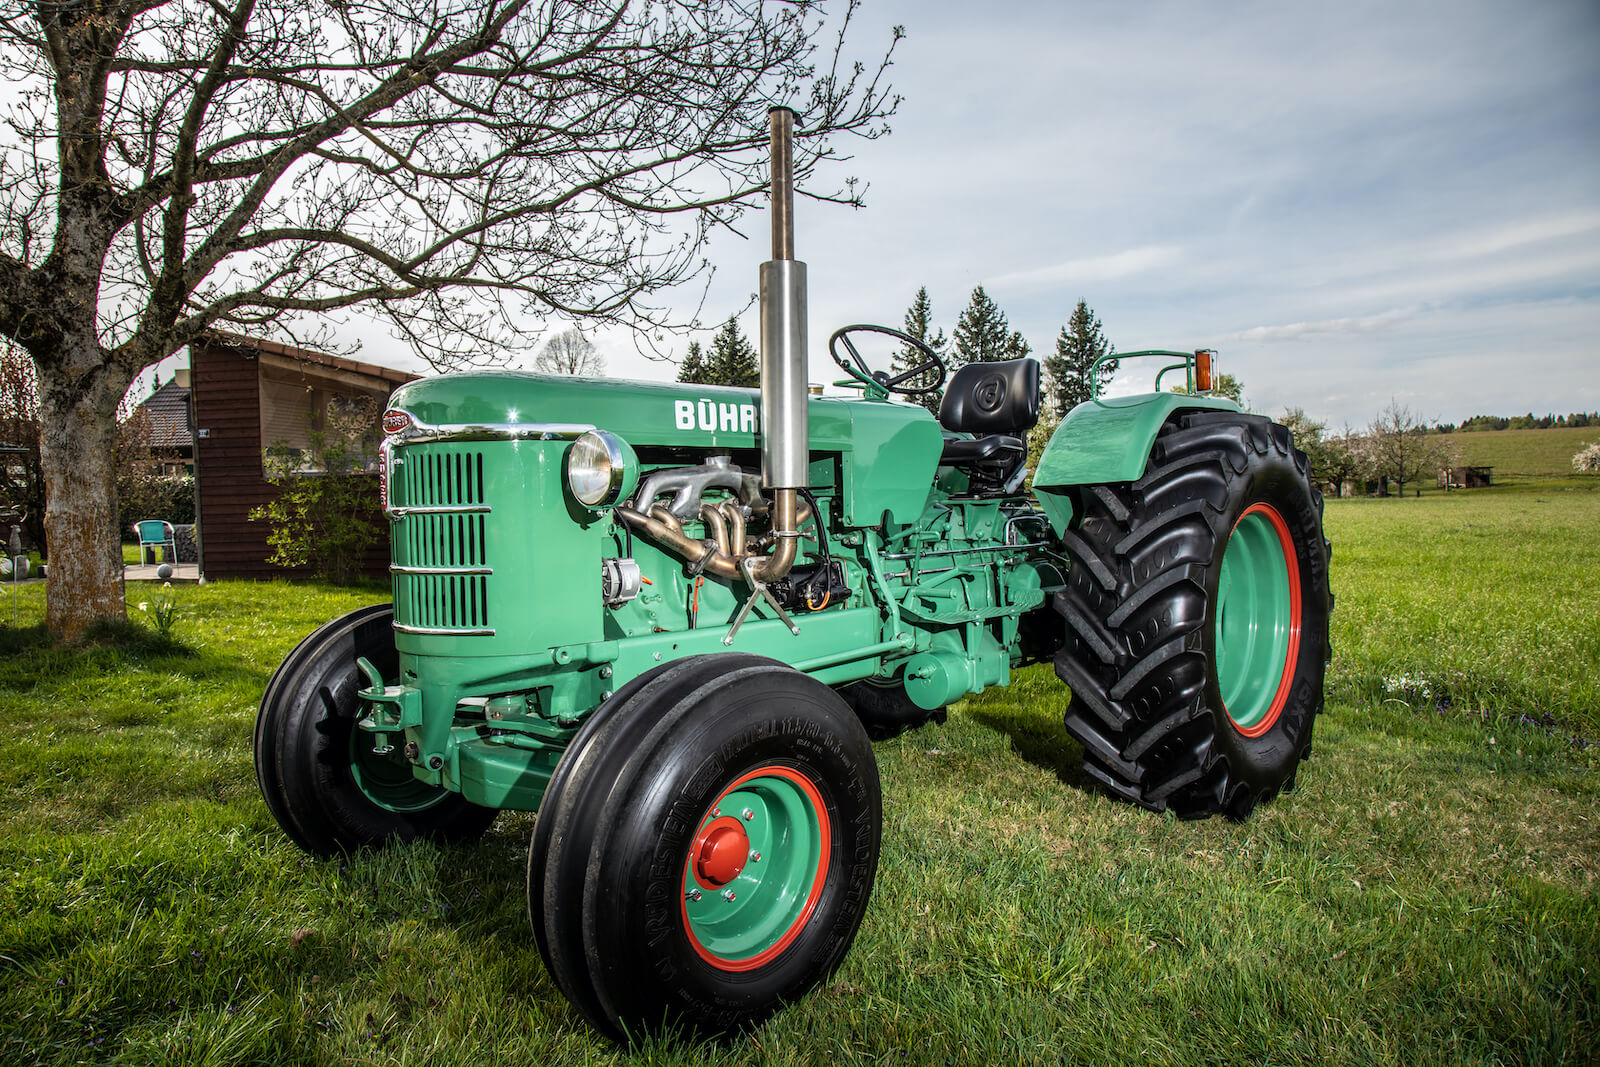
[755,857]
[728,896]
[693,894]
[748,814]
[716,813]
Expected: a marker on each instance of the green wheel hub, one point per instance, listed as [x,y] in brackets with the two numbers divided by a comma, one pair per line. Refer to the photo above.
[387,781]
[1257,619]
[755,868]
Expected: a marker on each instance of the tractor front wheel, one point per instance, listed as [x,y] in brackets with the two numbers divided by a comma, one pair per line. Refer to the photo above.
[706,849]
[1196,612]
[318,772]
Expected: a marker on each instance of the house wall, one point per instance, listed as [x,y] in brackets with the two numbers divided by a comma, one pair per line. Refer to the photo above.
[226,392]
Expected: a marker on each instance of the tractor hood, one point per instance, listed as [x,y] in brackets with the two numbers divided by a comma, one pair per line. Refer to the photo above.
[897,445]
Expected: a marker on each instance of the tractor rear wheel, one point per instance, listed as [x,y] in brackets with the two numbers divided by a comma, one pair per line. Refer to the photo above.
[1196,613]
[321,779]
[706,849]
[884,708]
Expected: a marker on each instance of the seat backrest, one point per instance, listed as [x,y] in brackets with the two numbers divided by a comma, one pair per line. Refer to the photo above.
[1001,397]
[152,530]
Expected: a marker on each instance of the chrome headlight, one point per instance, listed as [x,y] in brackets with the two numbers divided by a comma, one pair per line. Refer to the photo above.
[601,469]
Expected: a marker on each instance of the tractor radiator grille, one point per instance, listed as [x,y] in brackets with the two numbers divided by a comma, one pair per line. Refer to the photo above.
[441,568]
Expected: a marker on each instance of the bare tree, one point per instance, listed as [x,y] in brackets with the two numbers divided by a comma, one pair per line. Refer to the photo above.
[174,165]
[1399,447]
[569,352]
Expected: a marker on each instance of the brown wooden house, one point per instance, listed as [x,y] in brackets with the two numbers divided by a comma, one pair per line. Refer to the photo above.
[1465,477]
[248,395]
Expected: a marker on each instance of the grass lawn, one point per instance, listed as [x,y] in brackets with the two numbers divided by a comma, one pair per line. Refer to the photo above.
[1525,455]
[1429,894]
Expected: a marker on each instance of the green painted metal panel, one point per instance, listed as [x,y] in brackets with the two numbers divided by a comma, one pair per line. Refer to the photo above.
[541,551]
[1109,440]
[896,445]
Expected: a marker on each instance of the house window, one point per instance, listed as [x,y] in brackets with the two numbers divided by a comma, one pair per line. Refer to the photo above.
[312,423]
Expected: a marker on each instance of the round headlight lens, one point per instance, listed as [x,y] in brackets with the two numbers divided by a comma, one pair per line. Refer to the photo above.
[600,468]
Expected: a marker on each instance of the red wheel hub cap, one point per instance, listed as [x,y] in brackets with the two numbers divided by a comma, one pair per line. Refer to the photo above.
[720,851]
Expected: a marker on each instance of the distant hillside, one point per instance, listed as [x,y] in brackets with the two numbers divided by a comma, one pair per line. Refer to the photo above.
[1524,455]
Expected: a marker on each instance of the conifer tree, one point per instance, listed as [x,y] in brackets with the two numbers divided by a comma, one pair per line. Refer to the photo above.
[919,323]
[733,359]
[1081,342]
[982,334]
[694,364]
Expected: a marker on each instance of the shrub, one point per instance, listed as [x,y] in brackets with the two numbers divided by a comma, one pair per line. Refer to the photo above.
[326,515]
[1587,458]
[145,494]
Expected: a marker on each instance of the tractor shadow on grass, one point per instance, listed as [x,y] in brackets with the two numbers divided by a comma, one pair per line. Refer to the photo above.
[1041,740]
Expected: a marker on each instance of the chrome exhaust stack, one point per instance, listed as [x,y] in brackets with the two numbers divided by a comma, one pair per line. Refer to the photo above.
[785,444]
[785,459]
[785,439]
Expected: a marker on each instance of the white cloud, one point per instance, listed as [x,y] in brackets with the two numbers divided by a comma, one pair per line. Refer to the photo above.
[1097,269]
[1523,232]
[1294,331]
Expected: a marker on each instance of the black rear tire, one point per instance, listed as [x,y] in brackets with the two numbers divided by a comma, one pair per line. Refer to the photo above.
[1150,676]
[654,908]
[885,710]
[309,768]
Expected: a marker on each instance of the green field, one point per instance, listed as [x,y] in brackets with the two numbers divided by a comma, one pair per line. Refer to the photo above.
[1525,455]
[1429,894]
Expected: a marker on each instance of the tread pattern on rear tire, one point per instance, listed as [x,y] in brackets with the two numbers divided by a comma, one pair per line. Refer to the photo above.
[1138,609]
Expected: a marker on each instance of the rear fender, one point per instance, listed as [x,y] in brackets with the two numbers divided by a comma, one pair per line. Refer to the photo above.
[1107,441]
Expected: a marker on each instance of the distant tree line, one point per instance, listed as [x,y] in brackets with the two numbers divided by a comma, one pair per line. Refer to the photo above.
[1530,421]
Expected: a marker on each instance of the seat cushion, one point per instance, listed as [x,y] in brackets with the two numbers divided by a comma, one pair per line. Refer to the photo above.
[962,452]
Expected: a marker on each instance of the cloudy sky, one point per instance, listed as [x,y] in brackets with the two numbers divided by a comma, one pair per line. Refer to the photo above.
[1353,202]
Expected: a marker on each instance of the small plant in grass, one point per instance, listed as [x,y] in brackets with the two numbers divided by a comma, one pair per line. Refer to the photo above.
[162,609]
[1587,458]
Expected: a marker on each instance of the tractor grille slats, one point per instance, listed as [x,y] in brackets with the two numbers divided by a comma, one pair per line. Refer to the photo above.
[443,583]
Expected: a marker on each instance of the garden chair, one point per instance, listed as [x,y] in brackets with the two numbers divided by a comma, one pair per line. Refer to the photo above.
[156,533]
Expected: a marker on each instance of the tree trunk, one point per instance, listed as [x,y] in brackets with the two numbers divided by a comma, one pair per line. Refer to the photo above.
[78,429]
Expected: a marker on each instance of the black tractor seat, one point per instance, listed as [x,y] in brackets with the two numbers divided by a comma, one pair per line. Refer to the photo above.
[998,403]
[963,451]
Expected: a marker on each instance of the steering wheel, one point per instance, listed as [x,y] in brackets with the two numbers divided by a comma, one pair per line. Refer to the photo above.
[857,368]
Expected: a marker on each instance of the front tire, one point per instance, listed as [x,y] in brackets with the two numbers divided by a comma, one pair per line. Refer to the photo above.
[320,778]
[718,863]
[1196,612]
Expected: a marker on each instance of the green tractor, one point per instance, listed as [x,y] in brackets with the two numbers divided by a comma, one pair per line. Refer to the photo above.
[672,618]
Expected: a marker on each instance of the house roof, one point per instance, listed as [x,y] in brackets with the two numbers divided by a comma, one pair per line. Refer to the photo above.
[168,409]
[306,355]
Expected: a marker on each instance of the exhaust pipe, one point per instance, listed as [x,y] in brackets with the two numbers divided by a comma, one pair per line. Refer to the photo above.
[785,456]
[785,445]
